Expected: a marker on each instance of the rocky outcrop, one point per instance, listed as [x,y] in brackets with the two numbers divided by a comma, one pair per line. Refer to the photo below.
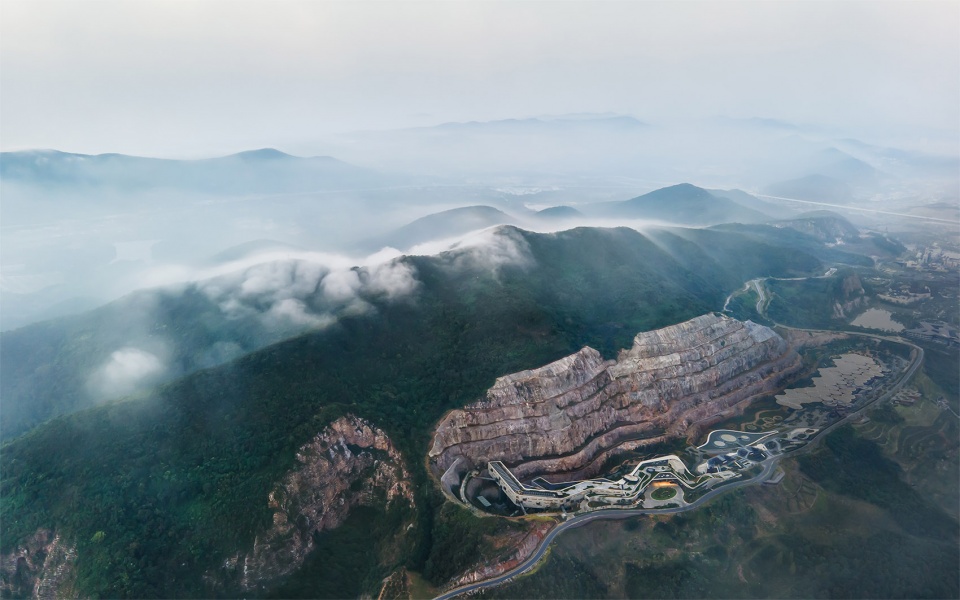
[349,463]
[41,567]
[566,416]
[518,548]
[396,586]
[850,297]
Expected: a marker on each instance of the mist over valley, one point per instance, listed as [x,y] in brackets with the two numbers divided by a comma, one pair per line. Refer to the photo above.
[406,301]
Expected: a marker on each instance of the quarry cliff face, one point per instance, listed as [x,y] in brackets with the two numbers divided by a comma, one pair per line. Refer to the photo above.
[566,416]
[349,463]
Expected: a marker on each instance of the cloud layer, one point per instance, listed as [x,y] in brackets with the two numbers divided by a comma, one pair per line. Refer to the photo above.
[266,297]
[127,369]
[103,77]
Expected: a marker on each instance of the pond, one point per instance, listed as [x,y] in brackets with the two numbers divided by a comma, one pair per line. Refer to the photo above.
[834,386]
[876,318]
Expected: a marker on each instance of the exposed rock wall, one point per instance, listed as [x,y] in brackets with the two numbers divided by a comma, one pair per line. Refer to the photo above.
[42,567]
[518,550]
[852,297]
[349,463]
[565,416]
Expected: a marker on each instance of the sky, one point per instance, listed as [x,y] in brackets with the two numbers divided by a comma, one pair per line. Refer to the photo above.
[189,79]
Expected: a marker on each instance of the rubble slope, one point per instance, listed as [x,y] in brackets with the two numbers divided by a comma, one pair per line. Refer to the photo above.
[349,463]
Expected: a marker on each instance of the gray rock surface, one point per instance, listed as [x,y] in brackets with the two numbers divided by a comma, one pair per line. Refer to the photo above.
[41,567]
[349,463]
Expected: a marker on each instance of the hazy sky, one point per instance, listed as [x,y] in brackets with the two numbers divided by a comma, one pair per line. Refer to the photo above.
[178,78]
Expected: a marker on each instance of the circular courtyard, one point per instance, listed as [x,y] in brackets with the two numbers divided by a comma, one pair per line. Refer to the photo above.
[664,493]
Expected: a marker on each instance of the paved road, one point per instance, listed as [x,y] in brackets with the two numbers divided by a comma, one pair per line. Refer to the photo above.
[759,288]
[762,297]
[619,513]
[859,209]
[726,304]
[607,513]
[768,466]
[918,359]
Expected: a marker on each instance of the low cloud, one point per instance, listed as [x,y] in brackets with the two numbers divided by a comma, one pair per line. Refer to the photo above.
[124,372]
[305,290]
[294,290]
[281,294]
[490,249]
[291,311]
[341,286]
[219,353]
[392,279]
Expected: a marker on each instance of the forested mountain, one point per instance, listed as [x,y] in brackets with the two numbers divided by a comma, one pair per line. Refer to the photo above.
[825,225]
[201,454]
[151,336]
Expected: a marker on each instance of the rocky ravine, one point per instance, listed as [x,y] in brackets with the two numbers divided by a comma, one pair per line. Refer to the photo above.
[349,463]
[566,416]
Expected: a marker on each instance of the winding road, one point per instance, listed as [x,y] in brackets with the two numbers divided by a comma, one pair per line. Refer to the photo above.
[759,288]
[768,466]
[859,209]
[610,514]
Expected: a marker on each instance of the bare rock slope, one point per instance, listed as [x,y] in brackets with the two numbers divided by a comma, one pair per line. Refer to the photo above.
[41,567]
[349,463]
[566,416]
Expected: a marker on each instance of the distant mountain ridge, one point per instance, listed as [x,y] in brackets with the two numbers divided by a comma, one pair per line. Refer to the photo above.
[253,171]
[560,213]
[543,124]
[825,225]
[815,188]
[682,204]
[444,224]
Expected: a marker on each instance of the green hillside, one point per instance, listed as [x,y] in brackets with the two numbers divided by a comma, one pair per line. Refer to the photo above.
[786,237]
[46,368]
[178,479]
[825,225]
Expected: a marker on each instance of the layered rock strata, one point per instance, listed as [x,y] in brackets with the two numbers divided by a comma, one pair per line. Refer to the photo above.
[349,463]
[566,416]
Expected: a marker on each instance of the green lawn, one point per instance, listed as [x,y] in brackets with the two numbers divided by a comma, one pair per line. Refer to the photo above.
[664,493]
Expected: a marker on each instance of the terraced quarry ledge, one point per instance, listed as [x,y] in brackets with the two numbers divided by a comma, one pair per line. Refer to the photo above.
[567,416]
